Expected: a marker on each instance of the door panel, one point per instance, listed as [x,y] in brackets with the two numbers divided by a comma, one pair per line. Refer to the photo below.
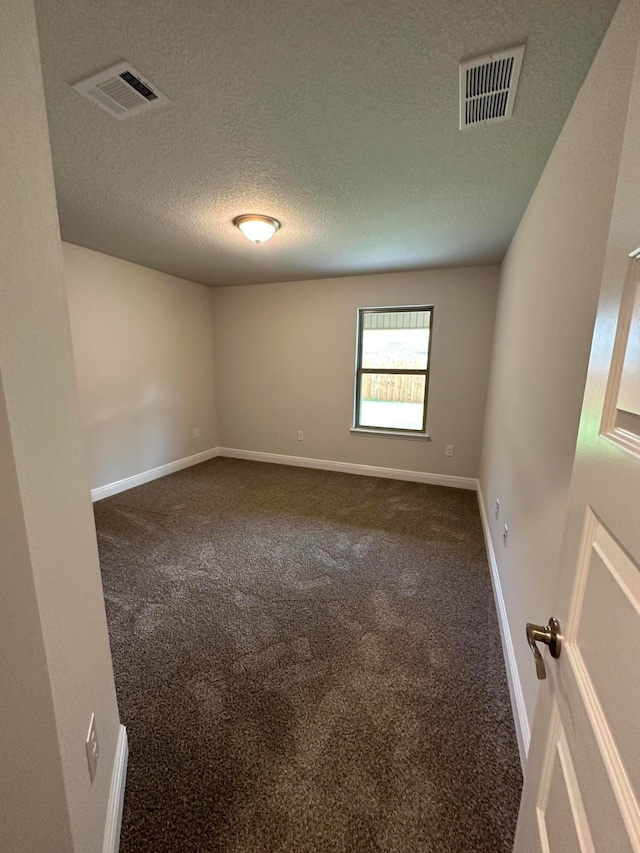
[582,780]
[629,391]
[562,819]
[621,415]
[598,767]
[588,787]
[607,632]
[583,791]
[563,834]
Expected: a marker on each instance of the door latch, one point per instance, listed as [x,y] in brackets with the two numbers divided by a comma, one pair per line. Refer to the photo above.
[550,636]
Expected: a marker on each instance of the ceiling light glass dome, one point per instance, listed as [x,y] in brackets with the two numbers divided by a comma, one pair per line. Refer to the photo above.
[256,227]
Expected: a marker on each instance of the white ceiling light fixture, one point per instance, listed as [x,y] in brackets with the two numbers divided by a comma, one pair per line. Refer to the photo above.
[256,227]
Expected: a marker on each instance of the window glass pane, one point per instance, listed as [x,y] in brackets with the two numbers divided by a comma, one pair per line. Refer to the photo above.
[396,339]
[392,401]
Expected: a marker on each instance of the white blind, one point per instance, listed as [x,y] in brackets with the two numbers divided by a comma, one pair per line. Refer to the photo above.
[397,320]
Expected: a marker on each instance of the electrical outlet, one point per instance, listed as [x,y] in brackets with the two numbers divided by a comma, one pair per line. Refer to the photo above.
[93,750]
[448,450]
[300,435]
[497,508]
[505,535]
[196,432]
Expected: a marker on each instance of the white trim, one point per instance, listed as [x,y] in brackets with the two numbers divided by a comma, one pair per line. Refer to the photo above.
[152,474]
[523,731]
[352,468]
[116,795]
[381,433]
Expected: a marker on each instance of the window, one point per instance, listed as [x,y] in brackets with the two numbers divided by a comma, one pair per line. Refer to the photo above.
[392,369]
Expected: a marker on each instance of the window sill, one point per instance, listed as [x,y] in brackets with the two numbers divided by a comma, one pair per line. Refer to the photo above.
[381,433]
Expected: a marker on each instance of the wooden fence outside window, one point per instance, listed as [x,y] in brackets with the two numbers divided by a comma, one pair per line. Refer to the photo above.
[392,388]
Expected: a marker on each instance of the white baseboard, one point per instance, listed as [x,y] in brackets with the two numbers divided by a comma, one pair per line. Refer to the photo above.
[523,732]
[152,474]
[116,795]
[280,459]
[352,468]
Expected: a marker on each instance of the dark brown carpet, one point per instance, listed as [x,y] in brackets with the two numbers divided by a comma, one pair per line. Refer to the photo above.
[306,662]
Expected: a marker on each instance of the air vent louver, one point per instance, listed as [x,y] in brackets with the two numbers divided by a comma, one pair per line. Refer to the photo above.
[121,91]
[488,87]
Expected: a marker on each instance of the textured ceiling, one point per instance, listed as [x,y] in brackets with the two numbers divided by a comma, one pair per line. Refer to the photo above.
[338,118]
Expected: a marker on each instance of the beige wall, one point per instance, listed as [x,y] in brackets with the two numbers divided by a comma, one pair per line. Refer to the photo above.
[548,297]
[33,807]
[285,356]
[55,665]
[143,346]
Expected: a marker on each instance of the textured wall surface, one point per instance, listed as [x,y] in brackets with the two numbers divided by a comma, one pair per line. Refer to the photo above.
[55,663]
[549,292]
[340,119]
[285,357]
[143,345]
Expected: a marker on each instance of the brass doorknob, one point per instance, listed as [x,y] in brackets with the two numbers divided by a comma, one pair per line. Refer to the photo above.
[550,636]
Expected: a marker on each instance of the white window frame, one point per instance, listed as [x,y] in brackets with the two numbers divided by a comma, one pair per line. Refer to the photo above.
[392,432]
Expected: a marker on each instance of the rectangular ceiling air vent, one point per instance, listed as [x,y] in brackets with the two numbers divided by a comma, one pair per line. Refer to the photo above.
[121,91]
[488,87]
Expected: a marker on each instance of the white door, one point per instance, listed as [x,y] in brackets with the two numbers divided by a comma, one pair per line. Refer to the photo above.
[582,781]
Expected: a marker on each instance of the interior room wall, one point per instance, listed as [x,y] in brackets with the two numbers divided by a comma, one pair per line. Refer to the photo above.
[548,297]
[55,664]
[33,806]
[285,361]
[143,347]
